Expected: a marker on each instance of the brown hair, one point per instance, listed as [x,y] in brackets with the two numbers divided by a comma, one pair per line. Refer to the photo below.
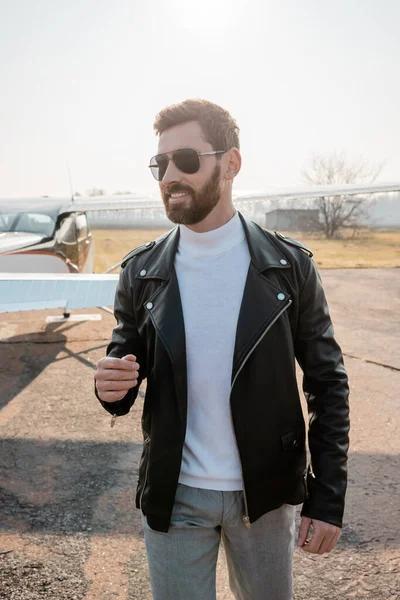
[219,128]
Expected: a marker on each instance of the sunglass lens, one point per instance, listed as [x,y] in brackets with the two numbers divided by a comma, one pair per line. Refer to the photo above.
[186,160]
[158,166]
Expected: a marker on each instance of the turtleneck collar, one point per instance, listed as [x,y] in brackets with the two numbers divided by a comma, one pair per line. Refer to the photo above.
[212,243]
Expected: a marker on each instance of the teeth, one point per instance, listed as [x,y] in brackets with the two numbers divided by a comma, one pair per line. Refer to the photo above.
[178,195]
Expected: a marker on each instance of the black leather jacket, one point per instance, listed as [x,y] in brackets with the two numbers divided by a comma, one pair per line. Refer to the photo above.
[284,316]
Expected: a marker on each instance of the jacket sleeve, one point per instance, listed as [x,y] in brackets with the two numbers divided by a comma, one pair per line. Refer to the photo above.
[325,385]
[125,339]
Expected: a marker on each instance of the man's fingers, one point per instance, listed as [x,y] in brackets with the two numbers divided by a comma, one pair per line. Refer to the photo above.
[331,534]
[315,542]
[118,363]
[324,537]
[130,357]
[304,529]
[334,541]
[111,386]
[116,375]
[326,542]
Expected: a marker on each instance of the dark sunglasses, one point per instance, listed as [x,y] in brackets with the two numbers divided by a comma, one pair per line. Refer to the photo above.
[186,160]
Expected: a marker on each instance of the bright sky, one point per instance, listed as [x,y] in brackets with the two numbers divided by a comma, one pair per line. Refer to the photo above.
[82,80]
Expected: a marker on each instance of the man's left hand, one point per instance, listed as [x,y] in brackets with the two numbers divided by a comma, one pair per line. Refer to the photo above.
[323,538]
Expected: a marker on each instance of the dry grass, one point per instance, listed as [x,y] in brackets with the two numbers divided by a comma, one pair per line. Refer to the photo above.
[111,245]
[370,249]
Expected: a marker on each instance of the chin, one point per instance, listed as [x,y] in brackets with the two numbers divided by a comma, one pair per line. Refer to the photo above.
[180,219]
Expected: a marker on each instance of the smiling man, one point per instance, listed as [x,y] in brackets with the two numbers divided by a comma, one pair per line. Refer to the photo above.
[214,315]
[184,203]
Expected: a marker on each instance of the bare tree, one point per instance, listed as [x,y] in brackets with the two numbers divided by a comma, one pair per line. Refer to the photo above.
[336,212]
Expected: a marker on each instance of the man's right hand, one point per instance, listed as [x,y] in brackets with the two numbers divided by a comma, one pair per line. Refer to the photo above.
[114,377]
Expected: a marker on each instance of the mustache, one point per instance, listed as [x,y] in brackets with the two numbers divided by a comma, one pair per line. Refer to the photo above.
[175,188]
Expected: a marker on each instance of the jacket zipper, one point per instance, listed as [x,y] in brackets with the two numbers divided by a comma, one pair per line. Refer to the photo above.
[113,418]
[245,517]
[146,441]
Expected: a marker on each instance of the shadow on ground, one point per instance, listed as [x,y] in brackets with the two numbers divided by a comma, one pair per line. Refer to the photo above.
[24,358]
[81,486]
[68,487]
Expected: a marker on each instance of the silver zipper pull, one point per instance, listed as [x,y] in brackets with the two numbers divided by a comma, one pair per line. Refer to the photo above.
[113,418]
[246,521]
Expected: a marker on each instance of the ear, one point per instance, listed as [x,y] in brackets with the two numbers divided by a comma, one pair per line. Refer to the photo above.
[234,162]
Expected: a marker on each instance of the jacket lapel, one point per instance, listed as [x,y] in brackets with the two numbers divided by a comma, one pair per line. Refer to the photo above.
[261,304]
[165,310]
[262,300]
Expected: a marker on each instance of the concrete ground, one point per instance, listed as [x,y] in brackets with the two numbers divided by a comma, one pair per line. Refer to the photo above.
[68,527]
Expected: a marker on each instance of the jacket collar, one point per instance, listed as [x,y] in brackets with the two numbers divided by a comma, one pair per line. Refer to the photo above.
[264,254]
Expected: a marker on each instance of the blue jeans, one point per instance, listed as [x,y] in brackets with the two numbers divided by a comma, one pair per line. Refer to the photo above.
[182,562]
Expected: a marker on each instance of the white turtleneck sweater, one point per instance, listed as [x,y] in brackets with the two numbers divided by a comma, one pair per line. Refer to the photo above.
[211,269]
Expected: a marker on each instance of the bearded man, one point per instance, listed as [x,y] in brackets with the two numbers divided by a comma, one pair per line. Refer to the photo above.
[214,315]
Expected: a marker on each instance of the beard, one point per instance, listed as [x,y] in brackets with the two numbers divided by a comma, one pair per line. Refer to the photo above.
[201,204]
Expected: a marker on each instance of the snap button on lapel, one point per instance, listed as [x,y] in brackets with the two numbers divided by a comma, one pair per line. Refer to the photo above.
[283,261]
[281,296]
[143,273]
[149,305]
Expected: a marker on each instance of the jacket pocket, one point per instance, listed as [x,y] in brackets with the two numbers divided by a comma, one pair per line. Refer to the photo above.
[294,440]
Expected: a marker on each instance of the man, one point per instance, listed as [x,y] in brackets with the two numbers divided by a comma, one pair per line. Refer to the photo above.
[213,315]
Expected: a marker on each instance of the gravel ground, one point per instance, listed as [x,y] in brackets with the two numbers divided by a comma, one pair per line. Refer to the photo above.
[69,529]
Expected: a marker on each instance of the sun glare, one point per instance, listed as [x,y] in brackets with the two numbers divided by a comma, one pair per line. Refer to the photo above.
[208,15]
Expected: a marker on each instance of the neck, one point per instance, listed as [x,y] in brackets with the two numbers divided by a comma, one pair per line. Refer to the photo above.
[219,216]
